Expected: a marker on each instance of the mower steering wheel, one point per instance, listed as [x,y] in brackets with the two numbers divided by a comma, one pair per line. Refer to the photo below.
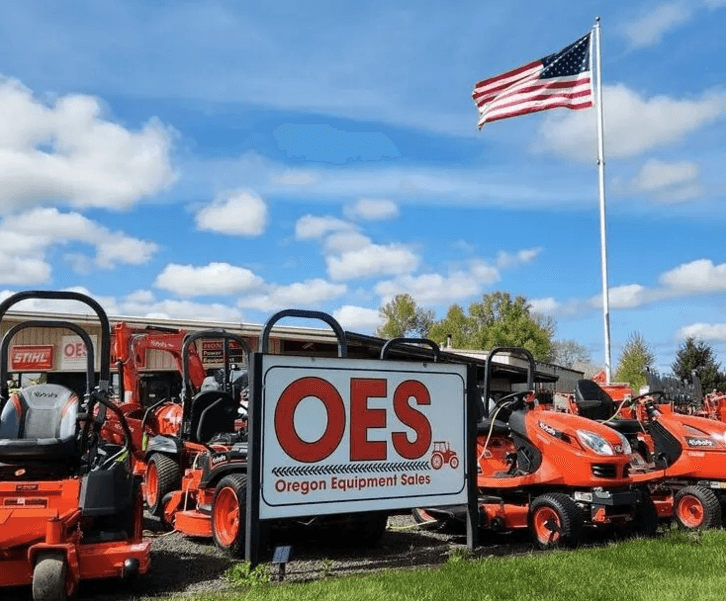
[650,407]
[513,400]
[656,393]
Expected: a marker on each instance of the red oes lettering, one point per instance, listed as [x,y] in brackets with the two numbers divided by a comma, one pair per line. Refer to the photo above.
[362,419]
[292,444]
[413,419]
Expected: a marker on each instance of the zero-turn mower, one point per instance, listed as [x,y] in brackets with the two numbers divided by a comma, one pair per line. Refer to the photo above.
[70,507]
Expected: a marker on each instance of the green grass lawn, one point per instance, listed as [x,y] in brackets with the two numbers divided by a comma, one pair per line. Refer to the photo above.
[677,565]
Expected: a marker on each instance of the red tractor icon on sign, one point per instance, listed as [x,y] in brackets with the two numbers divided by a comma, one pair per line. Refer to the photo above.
[443,454]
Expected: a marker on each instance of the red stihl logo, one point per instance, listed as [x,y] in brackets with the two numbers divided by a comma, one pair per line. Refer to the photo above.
[32,358]
[406,397]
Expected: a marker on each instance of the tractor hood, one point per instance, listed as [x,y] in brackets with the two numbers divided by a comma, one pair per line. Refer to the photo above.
[573,428]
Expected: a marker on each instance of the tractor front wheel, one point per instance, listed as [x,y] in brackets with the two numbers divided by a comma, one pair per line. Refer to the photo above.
[555,521]
[228,514]
[163,475]
[697,508]
[50,577]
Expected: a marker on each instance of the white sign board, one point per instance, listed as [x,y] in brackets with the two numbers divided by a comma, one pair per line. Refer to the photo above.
[344,435]
[73,353]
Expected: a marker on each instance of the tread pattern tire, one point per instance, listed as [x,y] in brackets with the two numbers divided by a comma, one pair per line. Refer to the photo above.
[49,578]
[560,513]
[168,479]
[697,508]
[229,515]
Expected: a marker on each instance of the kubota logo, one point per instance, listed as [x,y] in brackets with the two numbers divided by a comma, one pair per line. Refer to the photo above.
[547,428]
[700,442]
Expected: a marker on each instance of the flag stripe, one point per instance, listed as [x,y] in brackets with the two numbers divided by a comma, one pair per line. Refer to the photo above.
[558,80]
[527,109]
[555,84]
[504,81]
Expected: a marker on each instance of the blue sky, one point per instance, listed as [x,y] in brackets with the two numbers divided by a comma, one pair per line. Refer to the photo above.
[223,160]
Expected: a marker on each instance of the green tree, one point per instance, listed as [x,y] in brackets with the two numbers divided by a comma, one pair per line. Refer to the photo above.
[635,357]
[403,318]
[699,356]
[569,353]
[498,320]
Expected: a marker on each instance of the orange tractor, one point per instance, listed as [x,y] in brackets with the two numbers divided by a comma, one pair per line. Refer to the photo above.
[688,451]
[196,478]
[555,474]
[70,507]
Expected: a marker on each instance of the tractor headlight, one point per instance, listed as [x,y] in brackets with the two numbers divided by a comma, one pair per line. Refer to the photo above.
[626,445]
[595,442]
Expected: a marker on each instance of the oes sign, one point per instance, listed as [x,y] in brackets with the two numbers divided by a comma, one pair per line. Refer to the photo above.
[343,435]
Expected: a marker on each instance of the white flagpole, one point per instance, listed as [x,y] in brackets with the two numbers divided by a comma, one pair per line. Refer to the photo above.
[601,170]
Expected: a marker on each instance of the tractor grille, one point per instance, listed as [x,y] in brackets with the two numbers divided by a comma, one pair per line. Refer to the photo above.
[604,470]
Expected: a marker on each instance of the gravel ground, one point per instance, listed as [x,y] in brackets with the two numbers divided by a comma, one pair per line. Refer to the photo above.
[185,565]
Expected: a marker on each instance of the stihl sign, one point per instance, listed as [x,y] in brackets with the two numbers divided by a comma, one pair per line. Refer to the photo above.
[354,435]
[31,358]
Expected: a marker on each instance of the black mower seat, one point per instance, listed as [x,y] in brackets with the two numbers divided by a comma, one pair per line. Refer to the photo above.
[213,412]
[39,422]
[592,401]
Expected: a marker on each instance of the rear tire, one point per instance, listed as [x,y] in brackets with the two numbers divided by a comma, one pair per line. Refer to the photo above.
[229,514]
[163,475]
[49,578]
[697,508]
[555,521]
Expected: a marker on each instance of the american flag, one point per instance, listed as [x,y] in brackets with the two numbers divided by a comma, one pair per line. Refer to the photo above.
[558,80]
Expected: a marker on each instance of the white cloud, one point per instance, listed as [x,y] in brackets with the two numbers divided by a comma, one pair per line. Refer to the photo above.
[703,331]
[298,294]
[63,305]
[697,276]
[239,212]
[296,178]
[26,239]
[633,124]
[358,318]
[629,296]
[212,279]
[431,288]
[68,152]
[665,181]
[372,260]
[649,28]
[522,257]
[340,242]
[312,227]
[143,303]
[372,209]
[544,306]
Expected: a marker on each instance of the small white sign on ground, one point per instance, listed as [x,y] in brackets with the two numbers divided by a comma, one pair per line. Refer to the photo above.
[344,435]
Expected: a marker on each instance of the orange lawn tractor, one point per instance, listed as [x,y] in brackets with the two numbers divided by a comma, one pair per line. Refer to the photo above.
[70,507]
[197,478]
[689,451]
[554,473]
[149,402]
